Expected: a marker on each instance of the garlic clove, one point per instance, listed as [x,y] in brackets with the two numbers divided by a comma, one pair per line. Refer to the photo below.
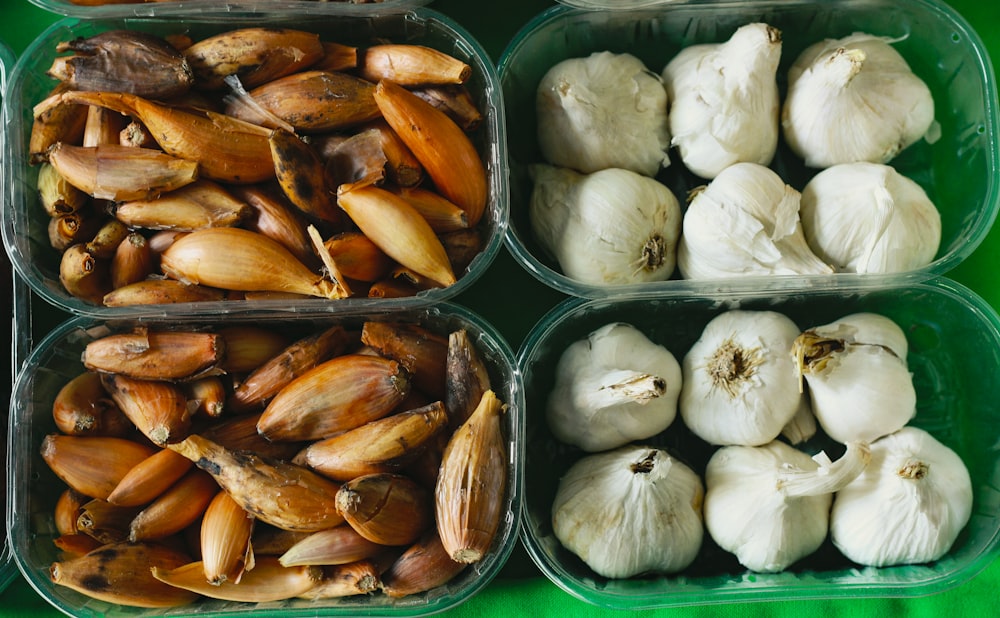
[611,227]
[630,511]
[724,100]
[854,99]
[868,218]
[803,425]
[739,384]
[613,387]
[602,111]
[859,384]
[907,507]
[745,222]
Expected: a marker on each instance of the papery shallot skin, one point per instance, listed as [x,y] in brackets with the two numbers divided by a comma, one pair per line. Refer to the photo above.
[124,60]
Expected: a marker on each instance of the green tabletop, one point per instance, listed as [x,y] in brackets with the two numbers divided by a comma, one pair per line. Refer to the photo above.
[499,296]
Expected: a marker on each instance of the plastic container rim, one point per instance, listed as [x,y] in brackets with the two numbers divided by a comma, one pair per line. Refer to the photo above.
[8,570]
[143,8]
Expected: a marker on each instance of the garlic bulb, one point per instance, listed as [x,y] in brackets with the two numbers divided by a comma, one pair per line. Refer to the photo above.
[854,99]
[907,507]
[724,100]
[869,218]
[859,384]
[613,387]
[607,228]
[739,384]
[745,222]
[630,511]
[604,110]
[770,505]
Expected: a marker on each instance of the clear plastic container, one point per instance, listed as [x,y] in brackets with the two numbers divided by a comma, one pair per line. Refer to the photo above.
[954,356]
[34,488]
[960,171]
[90,9]
[25,222]
[8,571]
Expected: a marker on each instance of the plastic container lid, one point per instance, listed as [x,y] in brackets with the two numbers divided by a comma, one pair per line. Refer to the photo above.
[954,356]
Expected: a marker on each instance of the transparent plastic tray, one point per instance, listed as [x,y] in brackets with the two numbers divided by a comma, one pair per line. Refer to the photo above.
[954,356]
[25,222]
[33,488]
[960,171]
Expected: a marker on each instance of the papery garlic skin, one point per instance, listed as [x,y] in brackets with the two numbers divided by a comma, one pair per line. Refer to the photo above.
[860,385]
[630,511]
[745,222]
[803,425]
[769,505]
[907,507]
[869,218]
[724,103]
[739,384]
[613,387]
[604,110]
[611,227]
[854,99]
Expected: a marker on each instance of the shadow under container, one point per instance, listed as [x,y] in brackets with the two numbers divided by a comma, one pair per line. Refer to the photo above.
[954,357]
[25,221]
[34,488]
[960,171]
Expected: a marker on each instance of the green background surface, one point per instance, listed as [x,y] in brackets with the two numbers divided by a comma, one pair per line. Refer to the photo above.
[511,299]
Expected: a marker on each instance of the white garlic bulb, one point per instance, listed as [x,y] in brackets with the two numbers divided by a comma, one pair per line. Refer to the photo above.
[860,385]
[630,511]
[854,99]
[770,505]
[724,102]
[739,384]
[604,110]
[907,507]
[745,222]
[610,227]
[869,218]
[613,387]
